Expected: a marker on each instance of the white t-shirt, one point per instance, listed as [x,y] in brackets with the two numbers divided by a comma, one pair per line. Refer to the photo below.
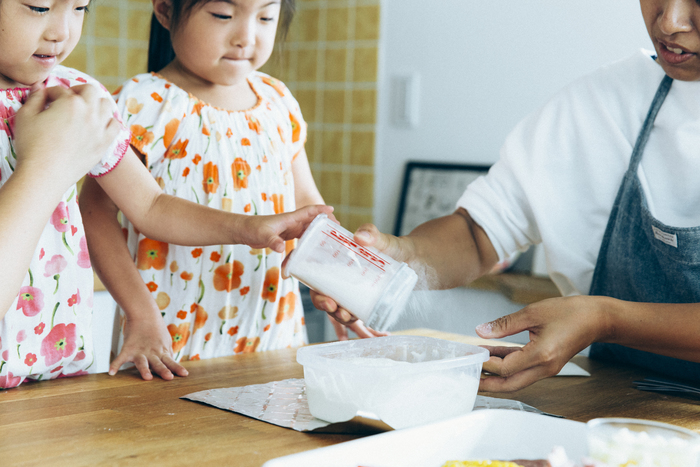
[561,167]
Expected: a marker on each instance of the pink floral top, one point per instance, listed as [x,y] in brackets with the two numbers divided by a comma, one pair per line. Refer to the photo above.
[47,332]
[223,299]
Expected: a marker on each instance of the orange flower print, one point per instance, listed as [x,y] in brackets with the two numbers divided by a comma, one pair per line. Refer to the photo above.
[162,300]
[272,279]
[267,328]
[170,130]
[296,128]
[240,171]
[152,286]
[246,345]
[178,150]
[179,335]
[187,275]
[197,252]
[276,84]
[247,208]
[186,172]
[117,91]
[245,142]
[198,108]
[140,137]
[277,203]
[263,195]
[156,97]
[215,256]
[207,337]
[232,331]
[196,159]
[289,245]
[133,106]
[245,290]
[205,131]
[228,276]
[200,318]
[194,358]
[211,178]
[286,307]
[151,254]
[182,314]
[281,132]
[253,123]
[174,267]
[229,133]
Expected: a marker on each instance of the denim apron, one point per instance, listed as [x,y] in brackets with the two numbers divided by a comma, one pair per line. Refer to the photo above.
[644,260]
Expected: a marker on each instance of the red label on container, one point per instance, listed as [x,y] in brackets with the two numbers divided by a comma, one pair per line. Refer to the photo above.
[363,252]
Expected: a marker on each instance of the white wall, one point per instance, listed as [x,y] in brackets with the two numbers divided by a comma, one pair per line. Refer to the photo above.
[484,65]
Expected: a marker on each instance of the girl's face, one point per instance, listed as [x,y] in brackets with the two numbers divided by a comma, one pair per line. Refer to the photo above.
[223,41]
[673,28]
[35,36]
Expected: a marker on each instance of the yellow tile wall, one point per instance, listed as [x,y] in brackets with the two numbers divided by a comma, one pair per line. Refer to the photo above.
[114,43]
[329,62]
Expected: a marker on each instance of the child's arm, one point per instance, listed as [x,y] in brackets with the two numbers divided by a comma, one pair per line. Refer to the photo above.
[174,220]
[54,147]
[147,342]
[306,193]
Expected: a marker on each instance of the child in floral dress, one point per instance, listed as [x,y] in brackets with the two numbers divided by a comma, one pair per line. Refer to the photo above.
[56,125]
[213,130]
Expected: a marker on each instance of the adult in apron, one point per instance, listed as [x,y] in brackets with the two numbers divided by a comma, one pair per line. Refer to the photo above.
[643,260]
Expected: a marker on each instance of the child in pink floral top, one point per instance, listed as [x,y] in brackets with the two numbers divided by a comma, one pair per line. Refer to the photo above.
[213,130]
[48,141]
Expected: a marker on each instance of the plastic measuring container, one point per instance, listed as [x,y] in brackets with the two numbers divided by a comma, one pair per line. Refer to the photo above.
[367,283]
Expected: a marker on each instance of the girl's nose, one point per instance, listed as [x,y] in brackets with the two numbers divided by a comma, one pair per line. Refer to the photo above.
[244,34]
[676,16]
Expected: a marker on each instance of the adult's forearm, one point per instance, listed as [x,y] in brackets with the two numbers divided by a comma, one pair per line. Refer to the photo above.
[450,251]
[669,329]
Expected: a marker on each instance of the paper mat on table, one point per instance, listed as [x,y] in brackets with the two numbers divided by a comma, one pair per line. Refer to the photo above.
[572,369]
[283,403]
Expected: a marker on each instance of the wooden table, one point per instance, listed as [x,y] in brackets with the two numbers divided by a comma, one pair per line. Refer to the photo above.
[122,420]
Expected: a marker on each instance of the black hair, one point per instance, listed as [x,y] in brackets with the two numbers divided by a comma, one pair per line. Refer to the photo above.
[160,47]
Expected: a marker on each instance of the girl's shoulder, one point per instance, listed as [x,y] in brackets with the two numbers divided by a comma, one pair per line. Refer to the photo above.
[143,84]
[268,86]
[68,77]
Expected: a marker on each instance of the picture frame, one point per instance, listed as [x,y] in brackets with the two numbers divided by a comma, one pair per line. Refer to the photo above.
[431,190]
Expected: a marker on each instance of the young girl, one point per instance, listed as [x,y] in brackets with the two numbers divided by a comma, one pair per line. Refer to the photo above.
[46,298]
[213,130]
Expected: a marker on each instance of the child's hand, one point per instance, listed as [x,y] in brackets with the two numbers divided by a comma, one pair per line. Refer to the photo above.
[148,344]
[357,326]
[64,132]
[273,231]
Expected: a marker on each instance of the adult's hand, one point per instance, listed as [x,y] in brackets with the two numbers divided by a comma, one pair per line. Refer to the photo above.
[559,328]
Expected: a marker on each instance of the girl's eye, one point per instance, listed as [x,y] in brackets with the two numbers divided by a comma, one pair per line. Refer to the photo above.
[267,19]
[217,16]
[83,8]
[38,9]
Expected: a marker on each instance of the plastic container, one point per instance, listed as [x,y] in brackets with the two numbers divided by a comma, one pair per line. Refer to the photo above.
[402,380]
[367,283]
[628,441]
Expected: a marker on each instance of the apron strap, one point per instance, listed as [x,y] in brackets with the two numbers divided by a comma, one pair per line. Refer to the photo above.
[659,98]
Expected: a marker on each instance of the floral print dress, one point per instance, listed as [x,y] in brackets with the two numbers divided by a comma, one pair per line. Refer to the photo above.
[47,332]
[224,299]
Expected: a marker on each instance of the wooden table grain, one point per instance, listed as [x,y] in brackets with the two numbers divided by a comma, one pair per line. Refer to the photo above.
[122,420]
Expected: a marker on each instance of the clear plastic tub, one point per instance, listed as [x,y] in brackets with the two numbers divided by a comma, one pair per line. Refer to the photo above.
[402,380]
[621,442]
[367,283]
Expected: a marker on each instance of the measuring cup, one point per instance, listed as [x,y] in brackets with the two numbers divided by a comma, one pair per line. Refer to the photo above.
[370,285]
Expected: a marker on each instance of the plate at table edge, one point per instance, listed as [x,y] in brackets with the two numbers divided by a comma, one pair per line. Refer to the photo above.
[484,434]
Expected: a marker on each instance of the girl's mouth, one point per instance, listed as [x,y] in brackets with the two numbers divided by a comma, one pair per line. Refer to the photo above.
[45,59]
